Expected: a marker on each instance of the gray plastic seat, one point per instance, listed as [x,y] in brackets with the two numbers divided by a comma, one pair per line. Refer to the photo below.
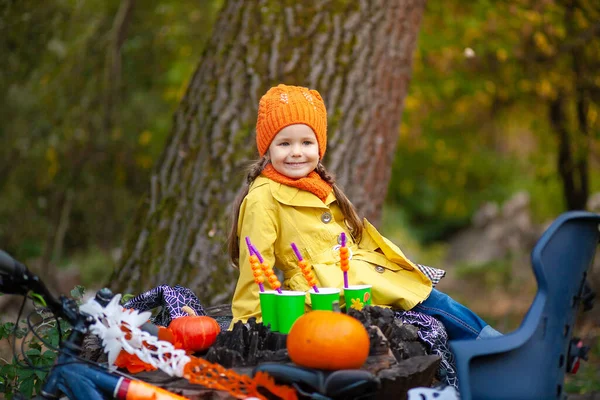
[530,363]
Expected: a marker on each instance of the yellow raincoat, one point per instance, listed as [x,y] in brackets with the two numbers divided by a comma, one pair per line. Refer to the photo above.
[274,215]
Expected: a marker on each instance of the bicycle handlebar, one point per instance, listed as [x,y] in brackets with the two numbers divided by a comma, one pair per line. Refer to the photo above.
[10,266]
[16,278]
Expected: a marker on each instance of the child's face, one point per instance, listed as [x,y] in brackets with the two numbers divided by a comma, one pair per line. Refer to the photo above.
[294,152]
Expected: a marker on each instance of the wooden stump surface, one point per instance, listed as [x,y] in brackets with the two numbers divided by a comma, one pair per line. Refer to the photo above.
[397,357]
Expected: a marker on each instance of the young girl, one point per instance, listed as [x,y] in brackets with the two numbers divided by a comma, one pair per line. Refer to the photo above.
[290,197]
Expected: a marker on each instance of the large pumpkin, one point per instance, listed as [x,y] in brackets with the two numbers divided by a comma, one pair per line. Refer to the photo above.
[195,333]
[328,340]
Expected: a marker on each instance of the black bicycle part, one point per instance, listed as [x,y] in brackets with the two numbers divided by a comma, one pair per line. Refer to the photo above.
[323,385]
[588,296]
[15,278]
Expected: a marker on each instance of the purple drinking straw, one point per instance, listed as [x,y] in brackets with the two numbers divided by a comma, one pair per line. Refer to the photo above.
[257,254]
[300,259]
[261,259]
[343,244]
[261,287]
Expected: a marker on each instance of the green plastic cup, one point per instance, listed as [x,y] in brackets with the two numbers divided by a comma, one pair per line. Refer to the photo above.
[357,296]
[267,307]
[289,306]
[325,298]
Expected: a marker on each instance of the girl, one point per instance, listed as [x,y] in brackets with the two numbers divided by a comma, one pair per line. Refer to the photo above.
[290,197]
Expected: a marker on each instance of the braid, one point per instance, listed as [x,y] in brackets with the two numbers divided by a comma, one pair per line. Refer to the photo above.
[326,176]
[351,217]
[233,247]
[255,169]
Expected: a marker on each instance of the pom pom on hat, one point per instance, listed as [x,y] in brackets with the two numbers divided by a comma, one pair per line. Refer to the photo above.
[286,105]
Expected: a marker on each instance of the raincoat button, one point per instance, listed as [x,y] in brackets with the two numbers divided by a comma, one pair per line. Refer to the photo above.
[326,217]
[379,269]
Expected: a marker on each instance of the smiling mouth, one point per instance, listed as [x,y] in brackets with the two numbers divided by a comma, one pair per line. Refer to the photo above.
[295,164]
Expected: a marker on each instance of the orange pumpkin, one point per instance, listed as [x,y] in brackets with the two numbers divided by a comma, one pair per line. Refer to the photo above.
[195,333]
[328,340]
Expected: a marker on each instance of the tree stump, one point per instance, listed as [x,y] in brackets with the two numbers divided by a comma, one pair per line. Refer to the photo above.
[396,356]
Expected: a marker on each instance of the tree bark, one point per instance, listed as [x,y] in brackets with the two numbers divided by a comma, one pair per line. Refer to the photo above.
[582,102]
[357,54]
[573,144]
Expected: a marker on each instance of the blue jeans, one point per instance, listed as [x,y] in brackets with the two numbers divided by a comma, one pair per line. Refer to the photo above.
[460,322]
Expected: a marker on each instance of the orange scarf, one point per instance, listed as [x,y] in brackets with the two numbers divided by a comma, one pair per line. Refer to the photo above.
[311,183]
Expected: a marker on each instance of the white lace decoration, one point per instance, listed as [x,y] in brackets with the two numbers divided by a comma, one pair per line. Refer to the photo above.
[425,393]
[110,320]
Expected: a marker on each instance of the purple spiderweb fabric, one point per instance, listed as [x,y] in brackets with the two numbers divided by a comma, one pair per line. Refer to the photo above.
[433,334]
[171,299]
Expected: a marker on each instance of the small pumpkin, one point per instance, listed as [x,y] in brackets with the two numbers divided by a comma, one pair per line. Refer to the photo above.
[195,333]
[328,340]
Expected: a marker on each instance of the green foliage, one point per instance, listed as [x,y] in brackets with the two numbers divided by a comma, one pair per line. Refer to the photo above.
[8,328]
[442,182]
[126,297]
[62,137]
[77,293]
[27,373]
[493,274]
[95,265]
[396,227]
[476,122]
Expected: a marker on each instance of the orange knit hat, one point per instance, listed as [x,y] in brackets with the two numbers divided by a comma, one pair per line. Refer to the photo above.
[286,105]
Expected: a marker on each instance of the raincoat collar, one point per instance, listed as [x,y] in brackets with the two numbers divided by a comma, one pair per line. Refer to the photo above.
[292,196]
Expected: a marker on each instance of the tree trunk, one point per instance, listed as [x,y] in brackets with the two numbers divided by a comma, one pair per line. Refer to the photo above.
[573,144]
[357,54]
[112,73]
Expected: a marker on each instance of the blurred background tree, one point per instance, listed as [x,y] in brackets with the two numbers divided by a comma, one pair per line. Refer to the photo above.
[358,56]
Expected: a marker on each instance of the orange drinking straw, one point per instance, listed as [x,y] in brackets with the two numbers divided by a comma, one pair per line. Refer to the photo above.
[255,264]
[268,271]
[303,264]
[344,258]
